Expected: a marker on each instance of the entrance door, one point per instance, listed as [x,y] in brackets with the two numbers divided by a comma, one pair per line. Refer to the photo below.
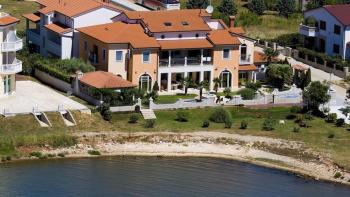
[225,78]
[7,84]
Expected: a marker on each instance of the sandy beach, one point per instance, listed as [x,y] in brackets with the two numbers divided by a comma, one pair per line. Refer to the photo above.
[275,153]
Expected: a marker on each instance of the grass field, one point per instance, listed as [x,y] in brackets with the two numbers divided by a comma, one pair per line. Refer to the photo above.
[272,25]
[18,8]
[165,99]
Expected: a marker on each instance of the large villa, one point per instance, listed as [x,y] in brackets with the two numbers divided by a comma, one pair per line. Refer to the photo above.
[144,47]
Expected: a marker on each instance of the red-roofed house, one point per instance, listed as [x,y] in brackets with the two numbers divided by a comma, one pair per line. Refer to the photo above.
[331,32]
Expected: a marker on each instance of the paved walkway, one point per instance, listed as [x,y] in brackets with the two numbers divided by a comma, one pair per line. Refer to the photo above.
[31,95]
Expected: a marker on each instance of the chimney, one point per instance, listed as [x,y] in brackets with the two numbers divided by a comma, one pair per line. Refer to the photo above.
[232,21]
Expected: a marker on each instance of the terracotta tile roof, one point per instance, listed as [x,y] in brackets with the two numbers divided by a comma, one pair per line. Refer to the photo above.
[185,44]
[172,20]
[72,8]
[32,17]
[261,58]
[237,30]
[121,33]
[299,67]
[8,20]
[341,12]
[101,79]
[251,67]
[223,37]
[58,28]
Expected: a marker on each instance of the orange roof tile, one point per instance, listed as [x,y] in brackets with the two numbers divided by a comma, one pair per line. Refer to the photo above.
[185,44]
[172,20]
[251,67]
[58,28]
[32,17]
[101,79]
[8,20]
[72,8]
[299,67]
[260,57]
[223,37]
[237,30]
[121,33]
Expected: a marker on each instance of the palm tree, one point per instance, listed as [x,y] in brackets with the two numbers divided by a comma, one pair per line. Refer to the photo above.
[202,85]
[217,82]
[270,54]
[186,82]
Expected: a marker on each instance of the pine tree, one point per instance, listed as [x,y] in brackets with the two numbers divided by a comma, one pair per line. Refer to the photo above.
[227,8]
[257,6]
[197,4]
[286,7]
[307,79]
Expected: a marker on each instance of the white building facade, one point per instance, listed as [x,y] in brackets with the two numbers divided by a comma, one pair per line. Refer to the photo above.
[331,32]
[9,45]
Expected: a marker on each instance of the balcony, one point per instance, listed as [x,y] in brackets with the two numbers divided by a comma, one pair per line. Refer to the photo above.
[244,59]
[11,68]
[308,31]
[33,36]
[9,46]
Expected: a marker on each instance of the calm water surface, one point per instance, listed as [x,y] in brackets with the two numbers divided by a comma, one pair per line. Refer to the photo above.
[152,176]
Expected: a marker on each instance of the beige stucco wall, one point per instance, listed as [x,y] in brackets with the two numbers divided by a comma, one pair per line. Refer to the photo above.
[231,64]
[118,67]
[138,68]
[250,48]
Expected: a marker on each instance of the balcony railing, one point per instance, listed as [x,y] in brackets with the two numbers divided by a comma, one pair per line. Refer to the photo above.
[308,30]
[184,61]
[193,61]
[244,59]
[11,68]
[33,35]
[178,61]
[12,46]
[164,62]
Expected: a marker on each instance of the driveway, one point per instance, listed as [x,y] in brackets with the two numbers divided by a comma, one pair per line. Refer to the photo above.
[30,95]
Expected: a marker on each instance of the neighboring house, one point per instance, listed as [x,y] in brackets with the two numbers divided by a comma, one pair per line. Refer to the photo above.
[327,29]
[51,31]
[167,46]
[9,45]
[161,4]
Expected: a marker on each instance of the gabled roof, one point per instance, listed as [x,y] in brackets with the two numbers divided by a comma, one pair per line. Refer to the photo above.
[72,8]
[172,20]
[223,37]
[121,33]
[8,20]
[105,80]
[58,28]
[237,30]
[341,12]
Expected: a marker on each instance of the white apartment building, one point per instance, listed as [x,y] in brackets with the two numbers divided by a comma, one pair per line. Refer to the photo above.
[51,31]
[9,44]
[331,32]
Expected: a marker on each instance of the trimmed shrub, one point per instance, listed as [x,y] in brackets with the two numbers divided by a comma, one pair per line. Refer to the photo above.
[94,152]
[268,124]
[247,93]
[331,135]
[150,123]
[220,115]
[331,118]
[296,129]
[133,118]
[244,125]
[337,175]
[205,123]
[308,116]
[182,116]
[228,122]
[340,122]
[107,115]
[254,86]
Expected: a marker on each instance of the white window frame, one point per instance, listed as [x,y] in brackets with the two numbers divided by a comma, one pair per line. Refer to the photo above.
[119,60]
[229,54]
[149,56]
[229,79]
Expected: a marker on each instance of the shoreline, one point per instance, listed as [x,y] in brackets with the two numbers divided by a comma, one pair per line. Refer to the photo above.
[260,151]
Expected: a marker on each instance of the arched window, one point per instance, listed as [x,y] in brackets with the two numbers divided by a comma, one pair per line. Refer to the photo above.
[225,79]
[145,82]
[243,52]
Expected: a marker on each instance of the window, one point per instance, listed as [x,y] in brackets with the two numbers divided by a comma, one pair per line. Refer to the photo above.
[104,54]
[146,57]
[323,25]
[180,35]
[336,48]
[119,56]
[226,54]
[85,45]
[337,29]
[225,79]
[162,36]
[185,23]
[197,35]
[168,24]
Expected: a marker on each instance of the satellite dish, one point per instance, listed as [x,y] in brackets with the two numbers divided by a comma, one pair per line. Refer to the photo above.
[210,9]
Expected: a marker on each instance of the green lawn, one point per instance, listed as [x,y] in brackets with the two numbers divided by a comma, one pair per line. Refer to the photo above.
[18,8]
[166,99]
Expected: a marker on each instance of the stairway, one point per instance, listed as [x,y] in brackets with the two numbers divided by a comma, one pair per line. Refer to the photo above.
[148,114]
